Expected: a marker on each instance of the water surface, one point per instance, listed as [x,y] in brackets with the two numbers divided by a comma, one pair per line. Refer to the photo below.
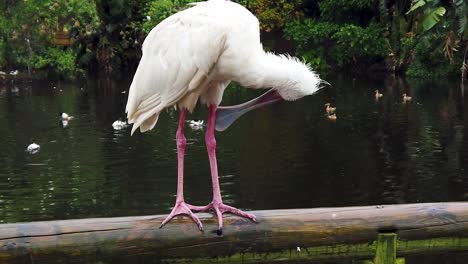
[288,155]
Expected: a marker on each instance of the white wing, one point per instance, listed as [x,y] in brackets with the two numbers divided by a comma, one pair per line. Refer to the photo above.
[178,56]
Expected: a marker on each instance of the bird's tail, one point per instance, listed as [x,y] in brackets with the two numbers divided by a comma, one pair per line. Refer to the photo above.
[142,112]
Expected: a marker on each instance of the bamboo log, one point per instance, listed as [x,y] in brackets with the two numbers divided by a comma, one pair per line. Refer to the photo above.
[279,235]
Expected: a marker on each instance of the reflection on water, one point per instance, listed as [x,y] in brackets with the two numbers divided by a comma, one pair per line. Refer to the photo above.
[376,152]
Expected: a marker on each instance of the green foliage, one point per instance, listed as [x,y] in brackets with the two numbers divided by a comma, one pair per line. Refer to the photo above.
[309,32]
[461,12]
[346,43]
[27,33]
[431,12]
[3,61]
[418,35]
[428,61]
[117,42]
[274,14]
[354,43]
[62,61]
[343,11]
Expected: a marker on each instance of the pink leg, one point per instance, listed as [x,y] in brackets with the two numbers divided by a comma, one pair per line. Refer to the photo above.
[180,206]
[217,203]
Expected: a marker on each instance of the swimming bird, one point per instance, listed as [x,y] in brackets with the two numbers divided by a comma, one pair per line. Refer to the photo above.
[65,122]
[378,94]
[118,124]
[193,55]
[33,147]
[196,124]
[329,109]
[332,116]
[406,98]
[65,116]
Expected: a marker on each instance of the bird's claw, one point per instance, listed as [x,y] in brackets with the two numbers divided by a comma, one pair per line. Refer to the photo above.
[186,209]
[221,208]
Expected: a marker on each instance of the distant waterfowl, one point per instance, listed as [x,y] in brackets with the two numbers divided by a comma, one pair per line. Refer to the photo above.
[33,147]
[118,124]
[332,117]
[65,116]
[196,124]
[14,90]
[378,94]
[329,109]
[406,98]
[15,72]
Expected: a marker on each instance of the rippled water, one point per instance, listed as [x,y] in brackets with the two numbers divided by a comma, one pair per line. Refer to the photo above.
[376,152]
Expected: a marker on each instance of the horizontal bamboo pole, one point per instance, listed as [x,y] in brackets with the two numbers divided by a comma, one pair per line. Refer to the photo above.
[279,235]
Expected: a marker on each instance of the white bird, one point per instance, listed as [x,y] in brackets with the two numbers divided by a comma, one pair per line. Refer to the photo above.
[14,90]
[196,124]
[195,54]
[65,116]
[33,147]
[117,125]
[15,72]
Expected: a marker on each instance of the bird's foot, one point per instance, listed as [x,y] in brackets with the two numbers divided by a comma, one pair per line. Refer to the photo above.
[220,209]
[186,209]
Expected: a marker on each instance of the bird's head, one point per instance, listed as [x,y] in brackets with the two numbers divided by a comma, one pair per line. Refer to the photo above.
[300,79]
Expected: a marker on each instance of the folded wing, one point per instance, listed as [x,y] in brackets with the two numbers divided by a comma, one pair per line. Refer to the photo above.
[178,56]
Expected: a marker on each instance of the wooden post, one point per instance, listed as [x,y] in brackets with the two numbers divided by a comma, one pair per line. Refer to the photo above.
[386,248]
[300,235]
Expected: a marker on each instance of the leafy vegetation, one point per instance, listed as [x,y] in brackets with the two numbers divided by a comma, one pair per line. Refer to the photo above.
[28,28]
[418,37]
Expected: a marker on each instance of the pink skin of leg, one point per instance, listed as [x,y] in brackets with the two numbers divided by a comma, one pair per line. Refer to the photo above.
[217,203]
[180,206]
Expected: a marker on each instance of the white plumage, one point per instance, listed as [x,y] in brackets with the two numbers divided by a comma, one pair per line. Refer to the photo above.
[196,124]
[65,116]
[195,53]
[33,148]
[118,124]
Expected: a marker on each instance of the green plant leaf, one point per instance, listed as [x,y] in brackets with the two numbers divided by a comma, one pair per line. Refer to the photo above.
[415,5]
[432,17]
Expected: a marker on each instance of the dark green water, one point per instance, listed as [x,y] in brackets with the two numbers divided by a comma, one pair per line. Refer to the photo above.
[283,156]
